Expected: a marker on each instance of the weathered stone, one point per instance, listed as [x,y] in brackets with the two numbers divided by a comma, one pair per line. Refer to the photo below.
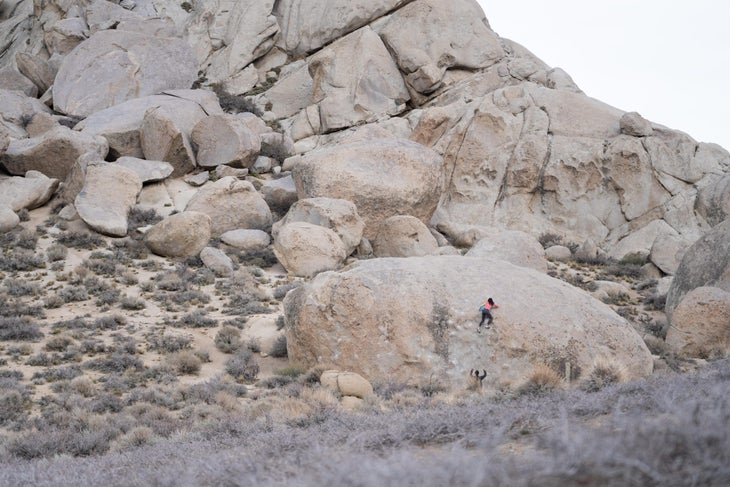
[705,263]
[8,219]
[108,194]
[165,136]
[280,193]
[635,125]
[121,124]
[667,251]
[701,324]
[28,192]
[225,139]
[403,236]
[338,215]
[217,261]
[246,240]
[382,177]
[346,383]
[114,66]
[518,248]
[180,235]
[415,319]
[558,252]
[305,249]
[148,171]
[53,153]
[713,200]
[236,172]
[17,110]
[231,204]
[11,79]
[65,35]
[197,179]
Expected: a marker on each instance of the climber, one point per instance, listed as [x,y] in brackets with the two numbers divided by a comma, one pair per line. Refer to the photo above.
[487,313]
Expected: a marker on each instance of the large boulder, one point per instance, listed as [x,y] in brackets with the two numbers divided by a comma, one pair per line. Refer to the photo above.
[518,248]
[109,192]
[29,192]
[705,263]
[305,249]
[231,204]
[121,124]
[701,324]
[165,135]
[52,153]
[346,383]
[225,139]
[113,66]
[180,235]
[404,236]
[382,177]
[338,215]
[416,319]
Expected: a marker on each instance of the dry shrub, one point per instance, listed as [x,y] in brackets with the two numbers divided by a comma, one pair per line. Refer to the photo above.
[84,386]
[227,402]
[541,380]
[603,373]
[278,349]
[243,366]
[58,343]
[228,339]
[185,362]
[136,437]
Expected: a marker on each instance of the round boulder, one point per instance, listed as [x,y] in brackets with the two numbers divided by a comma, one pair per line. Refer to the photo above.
[701,324]
[246,240]
[180,235]
[404,236]
[305,249]
[346,383]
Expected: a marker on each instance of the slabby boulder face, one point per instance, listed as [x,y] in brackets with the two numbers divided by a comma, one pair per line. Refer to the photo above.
[416,318]
[382,177]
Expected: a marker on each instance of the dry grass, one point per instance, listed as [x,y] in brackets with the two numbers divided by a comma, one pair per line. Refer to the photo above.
[541,380]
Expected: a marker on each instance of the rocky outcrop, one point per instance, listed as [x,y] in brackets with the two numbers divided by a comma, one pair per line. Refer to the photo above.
[180,235]
[305,249]
[701,324]
[114,66]
[382,177]
[705,263]
[415,319]
[231,205]
[52,153]
[518,248]
[338,215]
[109,192]
[403,236]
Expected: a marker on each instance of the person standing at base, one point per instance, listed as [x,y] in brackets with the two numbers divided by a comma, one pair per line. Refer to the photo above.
[486,310]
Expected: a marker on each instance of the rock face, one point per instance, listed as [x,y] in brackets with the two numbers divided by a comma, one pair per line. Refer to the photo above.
[305,249]
[231,205]
[518,248]
[706,263]
[415,318]
[382,177]
[180,235]
[701,324]
[109,192]
[338,215]
[113,66]
[404,236]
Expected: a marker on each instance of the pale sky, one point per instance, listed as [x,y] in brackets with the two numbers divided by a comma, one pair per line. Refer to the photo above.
[668,60]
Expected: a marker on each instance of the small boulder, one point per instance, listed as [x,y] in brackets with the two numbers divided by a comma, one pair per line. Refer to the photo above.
[148,171]
[246,240]
[165,136]
[8,219]
[701,324]
[305,249]
[28,192]
[346,383]
[217,261]
[558,253]
[667,251]
[518,248]
[225,139]
[231,204]
[180,235]
[633,124]
[280,194]
[109,192]
[404,236]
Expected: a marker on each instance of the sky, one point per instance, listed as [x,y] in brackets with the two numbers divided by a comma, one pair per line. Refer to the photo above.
[668,60]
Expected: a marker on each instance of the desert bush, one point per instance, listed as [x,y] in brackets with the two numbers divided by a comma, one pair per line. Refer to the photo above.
[110,322]
[278,349]
[58,343]
[541,380]
[132,303]
[26,239]
[169,281]
[228,339]
[656,302]
[71,294]
[42,359]
[20,287]
[254,344]
[197,319]
[20,260]
[134,438]
[234,103]
[621,269]
[170,343]
[102,264]
[13,406]
[55,441]
[105,403]
[243,366]
[184,362]
[56,252]
[116,362]
[280,322]
[80,240]
[141,217]
[617,298]
[19,329]
[83,385]
[58,373]
[548,239]
[190,298]
[107,297]
[13,308]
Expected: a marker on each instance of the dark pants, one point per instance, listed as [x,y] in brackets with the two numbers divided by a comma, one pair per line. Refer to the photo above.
[486,314]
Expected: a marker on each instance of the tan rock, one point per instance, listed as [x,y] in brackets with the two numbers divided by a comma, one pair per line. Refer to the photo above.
[246,240]
[165,136]
[518,248]
[305,249]
[180,235]
[404,236]
[225,139]
[217,261]
[346,383]
[32,191]
[700,325]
